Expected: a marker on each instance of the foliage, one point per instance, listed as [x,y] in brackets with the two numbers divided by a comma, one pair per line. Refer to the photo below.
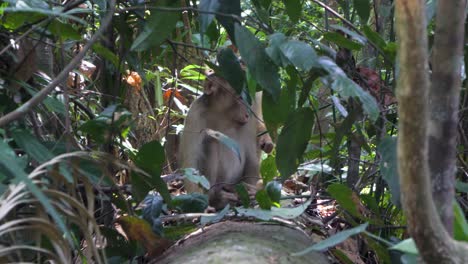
[96,147]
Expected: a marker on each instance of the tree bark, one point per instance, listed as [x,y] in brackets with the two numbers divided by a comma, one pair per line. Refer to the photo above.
[434,243]
[444,98]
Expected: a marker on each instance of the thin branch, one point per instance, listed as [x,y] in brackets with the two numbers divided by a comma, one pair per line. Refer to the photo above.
[41,95]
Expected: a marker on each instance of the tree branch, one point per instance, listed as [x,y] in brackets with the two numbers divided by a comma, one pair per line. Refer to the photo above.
[41,95]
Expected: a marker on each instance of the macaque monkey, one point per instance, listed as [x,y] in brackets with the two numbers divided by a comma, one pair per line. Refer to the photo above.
[220,109]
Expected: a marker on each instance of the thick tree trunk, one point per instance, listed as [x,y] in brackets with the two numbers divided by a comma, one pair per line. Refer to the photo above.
[434,243]
[444,104]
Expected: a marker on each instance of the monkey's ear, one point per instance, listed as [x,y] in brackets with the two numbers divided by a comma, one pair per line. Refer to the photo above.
[210,86]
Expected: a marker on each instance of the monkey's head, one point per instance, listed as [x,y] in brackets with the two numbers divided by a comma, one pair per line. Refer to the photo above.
[224,100]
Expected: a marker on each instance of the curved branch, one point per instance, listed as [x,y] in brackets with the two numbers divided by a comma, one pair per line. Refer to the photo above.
[42,94]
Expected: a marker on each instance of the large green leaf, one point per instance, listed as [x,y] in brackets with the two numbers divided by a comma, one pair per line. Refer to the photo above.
[460,226]
[388,167]
[157,28]
[268,169]
[260,66]
[229,7]
[205,18]
[344,196]
[231,70]
[150,158]
[293,140]
[300,54]
[225,140]
[286,52]
[333,240]
[293,8]
[346,87]
[342,41]
[363,9]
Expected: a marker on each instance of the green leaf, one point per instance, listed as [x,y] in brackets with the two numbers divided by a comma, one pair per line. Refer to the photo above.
[274,51]
[157,28]
[293,140]
[11,164]
[243,195]
[150,158]
[225,140]
[230,69]
[204,220]
[461,186]
[333,240]
[268,169]
[406,246]
[374,37]
[273,190]
[344,196]
[229,7]
[263,199]
[195,177]
[342,41]
[275,113]
[460,226]
[389,167]
[260,66]
[265,215]
[293,8]
[300,54]
[31,145]
[205,18]
[190,203]
[363,9]
[355,36]
[106,54]
[64,31]
[345,87]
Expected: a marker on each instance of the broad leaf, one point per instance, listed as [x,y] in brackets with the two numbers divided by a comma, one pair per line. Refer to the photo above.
[460,226]
[268,169]
[333,240]
[345,87]
[230,69]
[342,41]
[190,203]
[345,197]
[204,220]
[225,140]
[293,140]
[243,195]
[274,50]
[293,8]
[273,190]
[300,54]
[363,9]
[205,18]
[150,158]
[407,246]
[259,64]
[263,199]
[195,177]
[157,28]
[388,167]
[229,7]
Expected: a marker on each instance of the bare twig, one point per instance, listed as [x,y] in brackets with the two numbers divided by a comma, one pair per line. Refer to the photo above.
[41,95]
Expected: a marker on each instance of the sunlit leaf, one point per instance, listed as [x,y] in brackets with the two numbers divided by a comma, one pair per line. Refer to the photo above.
[460,226]
[407,246]
[286,213]
[263,199]
[300,54]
